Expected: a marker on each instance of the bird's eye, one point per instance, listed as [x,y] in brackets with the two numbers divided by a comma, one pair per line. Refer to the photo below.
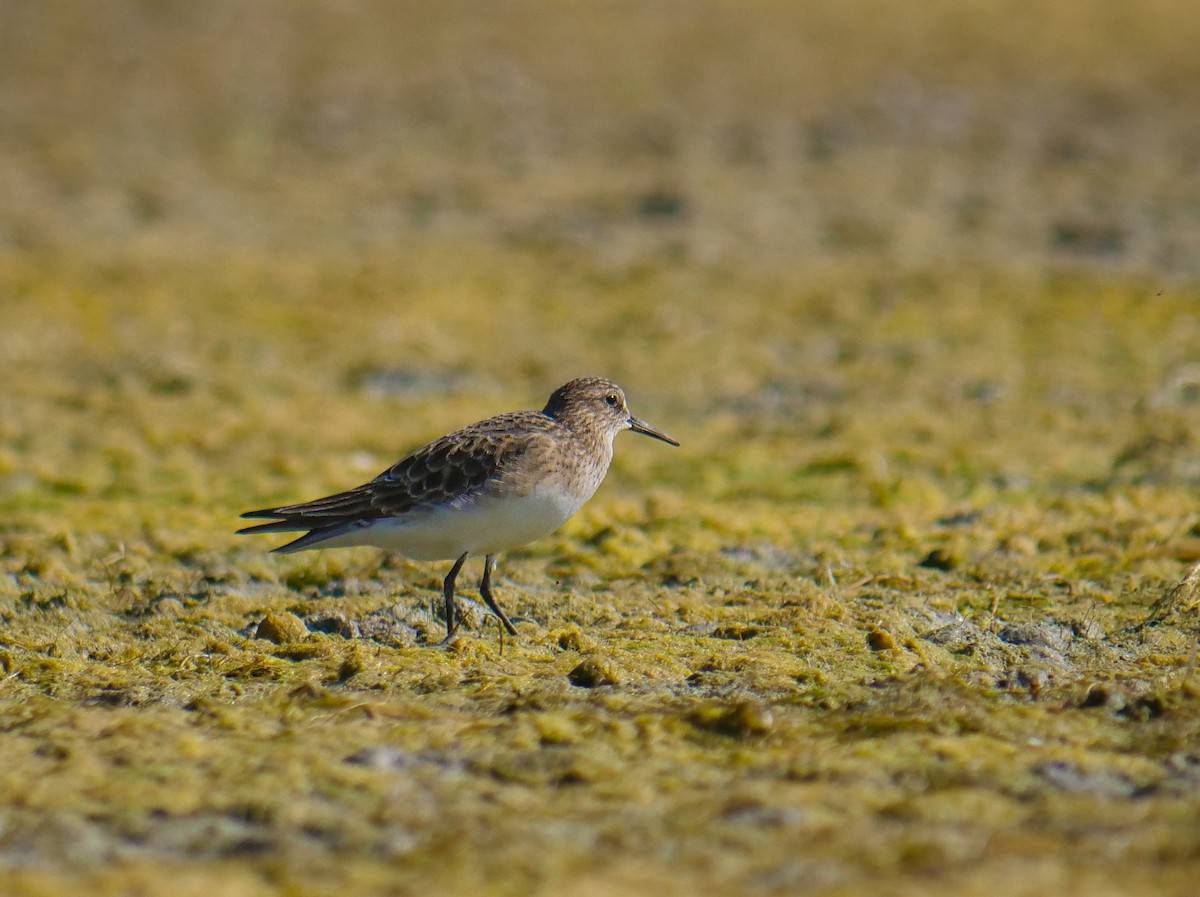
[613,400]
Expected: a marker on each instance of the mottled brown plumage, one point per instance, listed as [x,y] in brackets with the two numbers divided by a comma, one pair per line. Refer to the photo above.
[489,487]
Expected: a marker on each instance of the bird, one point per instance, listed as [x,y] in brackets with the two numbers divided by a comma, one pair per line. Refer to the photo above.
[490,487]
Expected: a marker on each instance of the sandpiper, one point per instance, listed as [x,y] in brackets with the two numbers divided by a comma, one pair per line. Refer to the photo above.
[490,487]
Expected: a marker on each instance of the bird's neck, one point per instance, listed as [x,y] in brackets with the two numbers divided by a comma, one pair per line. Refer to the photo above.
[593,446]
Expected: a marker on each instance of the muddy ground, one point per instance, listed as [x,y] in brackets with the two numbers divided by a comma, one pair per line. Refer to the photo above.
[908,612]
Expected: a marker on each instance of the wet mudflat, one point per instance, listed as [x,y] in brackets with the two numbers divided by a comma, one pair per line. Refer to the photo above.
[908,611]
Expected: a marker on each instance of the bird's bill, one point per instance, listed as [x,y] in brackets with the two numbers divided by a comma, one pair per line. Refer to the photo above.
[640,426]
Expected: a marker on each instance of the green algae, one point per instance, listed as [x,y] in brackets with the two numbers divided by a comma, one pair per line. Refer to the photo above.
[773,670]
[912,609]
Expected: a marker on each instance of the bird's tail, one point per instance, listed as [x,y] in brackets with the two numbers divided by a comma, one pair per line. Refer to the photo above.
[311,539]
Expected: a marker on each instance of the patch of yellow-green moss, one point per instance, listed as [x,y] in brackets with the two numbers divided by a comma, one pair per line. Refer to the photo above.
[910,608]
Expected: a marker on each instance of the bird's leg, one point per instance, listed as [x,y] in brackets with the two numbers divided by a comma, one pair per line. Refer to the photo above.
[485,589]
[448,593]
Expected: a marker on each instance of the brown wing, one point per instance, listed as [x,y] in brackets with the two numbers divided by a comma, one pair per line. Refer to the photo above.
[460,464]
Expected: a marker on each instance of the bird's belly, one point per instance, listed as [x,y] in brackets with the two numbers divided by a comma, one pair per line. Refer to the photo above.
[486,525]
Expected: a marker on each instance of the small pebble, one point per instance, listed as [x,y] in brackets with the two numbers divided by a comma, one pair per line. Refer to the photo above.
[281,629]
[738,718]
[593,672]
[880,640]
[938,559]
[574,640]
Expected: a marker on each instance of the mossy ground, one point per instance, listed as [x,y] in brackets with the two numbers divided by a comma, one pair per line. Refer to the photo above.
[906,612]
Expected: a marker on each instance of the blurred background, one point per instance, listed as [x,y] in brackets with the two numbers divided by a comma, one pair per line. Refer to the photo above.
[830,244]
[767,134]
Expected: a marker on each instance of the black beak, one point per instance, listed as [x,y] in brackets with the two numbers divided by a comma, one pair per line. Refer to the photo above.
[640,426]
